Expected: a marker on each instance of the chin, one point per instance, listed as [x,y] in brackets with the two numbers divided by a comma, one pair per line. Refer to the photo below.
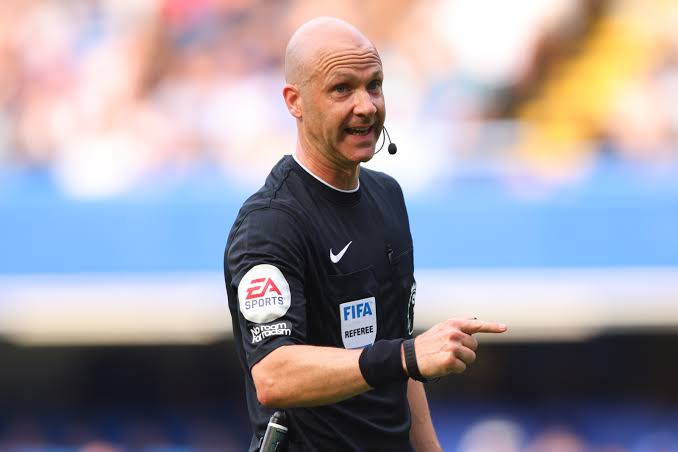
[365,155]
[367,158]
[360,155]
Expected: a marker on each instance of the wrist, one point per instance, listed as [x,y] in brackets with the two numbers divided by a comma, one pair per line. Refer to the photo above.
[411,364]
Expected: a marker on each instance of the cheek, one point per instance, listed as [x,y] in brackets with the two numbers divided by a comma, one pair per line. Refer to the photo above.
[332,122]
[381,106]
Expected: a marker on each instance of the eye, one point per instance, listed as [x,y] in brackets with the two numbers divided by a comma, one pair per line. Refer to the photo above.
[374,85]
[341,88]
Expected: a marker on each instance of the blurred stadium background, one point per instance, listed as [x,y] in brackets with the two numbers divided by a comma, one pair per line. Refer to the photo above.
[538,153]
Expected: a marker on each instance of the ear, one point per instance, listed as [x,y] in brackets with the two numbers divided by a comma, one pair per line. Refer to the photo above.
[293,100]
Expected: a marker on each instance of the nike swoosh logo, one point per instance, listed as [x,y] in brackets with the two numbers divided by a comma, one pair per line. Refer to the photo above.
[337,257]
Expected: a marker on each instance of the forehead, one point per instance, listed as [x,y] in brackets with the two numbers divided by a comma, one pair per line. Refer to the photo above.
[330,63]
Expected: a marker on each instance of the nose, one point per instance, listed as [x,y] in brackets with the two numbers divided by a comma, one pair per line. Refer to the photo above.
[364,104]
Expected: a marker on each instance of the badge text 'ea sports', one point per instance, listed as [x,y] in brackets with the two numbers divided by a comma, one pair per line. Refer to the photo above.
[263,294]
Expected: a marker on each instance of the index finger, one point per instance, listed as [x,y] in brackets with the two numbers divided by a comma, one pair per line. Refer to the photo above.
[479,326]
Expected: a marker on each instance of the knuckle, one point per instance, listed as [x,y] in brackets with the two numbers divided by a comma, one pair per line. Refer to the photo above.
[453,334]
[459,367]
[452,348]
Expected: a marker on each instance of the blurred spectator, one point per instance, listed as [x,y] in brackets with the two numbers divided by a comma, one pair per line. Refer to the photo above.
[493,435]
[105,93]
[99,446]
[122,430]
[557,439]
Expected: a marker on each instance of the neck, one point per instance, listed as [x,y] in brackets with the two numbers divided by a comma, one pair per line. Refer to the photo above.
[332,172]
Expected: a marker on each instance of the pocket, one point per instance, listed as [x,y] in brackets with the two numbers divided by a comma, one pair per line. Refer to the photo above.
[402,270]
[352,286]
[354,303]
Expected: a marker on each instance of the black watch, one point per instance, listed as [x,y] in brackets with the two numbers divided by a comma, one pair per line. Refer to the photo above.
[411,361]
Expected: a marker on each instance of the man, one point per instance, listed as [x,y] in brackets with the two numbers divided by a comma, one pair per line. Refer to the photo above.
[319,270]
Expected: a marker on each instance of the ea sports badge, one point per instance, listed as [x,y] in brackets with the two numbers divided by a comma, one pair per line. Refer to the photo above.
[264,294]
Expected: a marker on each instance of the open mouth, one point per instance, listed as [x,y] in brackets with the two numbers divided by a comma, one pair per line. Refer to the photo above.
[361,131]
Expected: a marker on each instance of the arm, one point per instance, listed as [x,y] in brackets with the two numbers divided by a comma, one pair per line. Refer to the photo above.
[269,245]
[306,375]
[422,434]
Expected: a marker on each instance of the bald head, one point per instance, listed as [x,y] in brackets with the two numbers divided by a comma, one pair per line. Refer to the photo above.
[334,91]
[316,39]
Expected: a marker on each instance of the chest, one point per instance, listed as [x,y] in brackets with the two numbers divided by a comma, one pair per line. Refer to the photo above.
[361,262]
[349,239]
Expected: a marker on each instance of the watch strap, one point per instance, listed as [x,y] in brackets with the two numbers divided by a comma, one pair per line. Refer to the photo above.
[411,361]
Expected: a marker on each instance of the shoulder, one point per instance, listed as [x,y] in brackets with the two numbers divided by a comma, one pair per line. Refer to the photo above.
[274,184]
[270,217]
[266,218]
[381,184]
[379,179]
[274,201]
[265,235]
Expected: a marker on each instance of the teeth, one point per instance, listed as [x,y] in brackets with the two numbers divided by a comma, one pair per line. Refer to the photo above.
[358,131]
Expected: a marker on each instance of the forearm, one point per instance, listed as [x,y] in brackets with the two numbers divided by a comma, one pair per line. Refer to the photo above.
[422,433]
[305,375]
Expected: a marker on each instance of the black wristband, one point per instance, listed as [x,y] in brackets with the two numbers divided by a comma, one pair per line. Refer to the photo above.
[411,361]
[381,363]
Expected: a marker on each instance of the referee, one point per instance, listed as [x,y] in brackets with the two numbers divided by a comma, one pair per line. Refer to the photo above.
[319,270]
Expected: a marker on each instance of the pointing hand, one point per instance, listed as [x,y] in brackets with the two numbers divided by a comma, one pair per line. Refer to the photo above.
[449,347]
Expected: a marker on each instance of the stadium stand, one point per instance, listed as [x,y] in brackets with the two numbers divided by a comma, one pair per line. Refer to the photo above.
[538,153]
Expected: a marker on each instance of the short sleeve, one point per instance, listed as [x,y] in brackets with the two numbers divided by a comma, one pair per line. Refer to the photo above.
[266,261]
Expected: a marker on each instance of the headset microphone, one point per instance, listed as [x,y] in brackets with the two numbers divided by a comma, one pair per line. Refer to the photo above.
[392,148]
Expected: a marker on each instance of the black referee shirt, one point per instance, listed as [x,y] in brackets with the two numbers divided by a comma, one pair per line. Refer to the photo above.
[308,264]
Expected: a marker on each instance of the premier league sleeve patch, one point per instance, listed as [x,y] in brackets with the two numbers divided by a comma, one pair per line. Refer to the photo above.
[358,322]
[264,294]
